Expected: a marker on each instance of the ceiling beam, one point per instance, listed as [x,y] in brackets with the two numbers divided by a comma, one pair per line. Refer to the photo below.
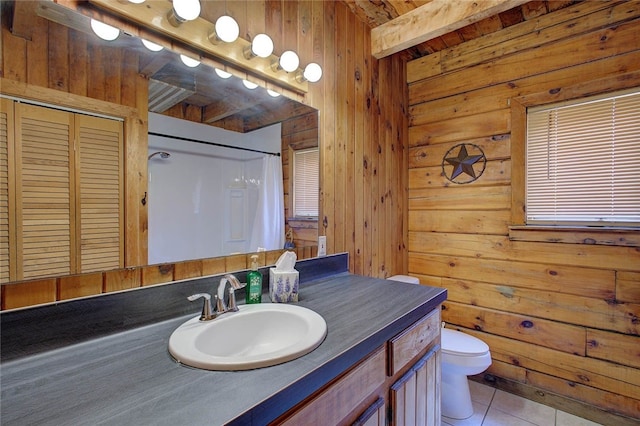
[226,107]
[432,20]
[23,19]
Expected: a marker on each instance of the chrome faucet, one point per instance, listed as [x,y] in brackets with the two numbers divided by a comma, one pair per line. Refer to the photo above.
[208,313]
[221,307]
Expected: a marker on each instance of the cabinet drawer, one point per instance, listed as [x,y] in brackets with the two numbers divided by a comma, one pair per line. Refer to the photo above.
[337,401]
[408,344]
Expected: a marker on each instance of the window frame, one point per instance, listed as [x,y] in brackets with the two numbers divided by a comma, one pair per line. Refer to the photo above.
[294,152]
[519,230]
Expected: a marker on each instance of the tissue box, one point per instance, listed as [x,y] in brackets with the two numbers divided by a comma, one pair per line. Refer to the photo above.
[283,286]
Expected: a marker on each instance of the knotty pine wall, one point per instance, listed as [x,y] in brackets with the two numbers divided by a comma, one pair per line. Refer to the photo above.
[362,105]
[561,319]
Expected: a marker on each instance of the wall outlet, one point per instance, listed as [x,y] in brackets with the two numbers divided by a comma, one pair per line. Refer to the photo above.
[322,245]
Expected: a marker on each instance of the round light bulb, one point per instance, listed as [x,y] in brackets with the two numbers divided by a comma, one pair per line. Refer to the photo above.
[222,73]
[272,93]
[136,1]
[190,62]
[151,45]
[187,10]
[262,46]
[227,29]
[312,72]
[249,84]
[104,31]
[289,61]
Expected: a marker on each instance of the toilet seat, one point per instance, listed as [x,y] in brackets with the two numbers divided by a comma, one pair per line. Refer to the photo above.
[460,344]
[405,279]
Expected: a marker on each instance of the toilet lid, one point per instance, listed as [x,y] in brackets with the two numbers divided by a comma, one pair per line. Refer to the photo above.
[461,344]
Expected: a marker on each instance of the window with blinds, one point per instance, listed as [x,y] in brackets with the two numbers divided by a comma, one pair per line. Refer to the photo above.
[583,162]
[305,182]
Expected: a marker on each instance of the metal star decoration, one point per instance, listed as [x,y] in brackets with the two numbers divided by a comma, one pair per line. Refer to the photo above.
[464,163]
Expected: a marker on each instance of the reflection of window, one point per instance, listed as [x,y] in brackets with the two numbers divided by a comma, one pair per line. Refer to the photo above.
[305,182]
[583,162]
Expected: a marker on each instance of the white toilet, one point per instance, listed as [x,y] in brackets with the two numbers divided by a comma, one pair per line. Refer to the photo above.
[462,355]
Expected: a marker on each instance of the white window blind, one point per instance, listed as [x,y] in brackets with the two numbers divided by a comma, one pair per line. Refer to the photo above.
[305,182]
[583,162]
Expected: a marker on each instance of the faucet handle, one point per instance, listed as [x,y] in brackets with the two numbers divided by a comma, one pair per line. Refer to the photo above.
[207,311]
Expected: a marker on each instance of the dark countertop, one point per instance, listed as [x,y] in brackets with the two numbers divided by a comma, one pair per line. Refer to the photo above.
[130,378]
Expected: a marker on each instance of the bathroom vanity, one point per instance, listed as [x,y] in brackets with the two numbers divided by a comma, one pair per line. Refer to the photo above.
[104,360]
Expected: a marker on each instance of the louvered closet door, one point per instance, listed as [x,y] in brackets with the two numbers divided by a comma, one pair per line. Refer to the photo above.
[44,203]
[100,193]
[6,133]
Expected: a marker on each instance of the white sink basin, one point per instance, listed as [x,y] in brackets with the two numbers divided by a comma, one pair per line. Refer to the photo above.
[257,336]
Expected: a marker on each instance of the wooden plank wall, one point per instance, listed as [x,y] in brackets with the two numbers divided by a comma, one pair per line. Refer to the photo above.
[362,105]
[363,151]
[559,317]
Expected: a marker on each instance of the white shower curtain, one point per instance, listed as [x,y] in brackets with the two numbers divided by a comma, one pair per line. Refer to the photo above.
[268,224]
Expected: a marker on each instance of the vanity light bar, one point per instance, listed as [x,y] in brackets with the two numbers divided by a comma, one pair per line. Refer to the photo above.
[152,15]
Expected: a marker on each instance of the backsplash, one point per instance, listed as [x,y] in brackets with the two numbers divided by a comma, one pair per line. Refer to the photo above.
[54,289]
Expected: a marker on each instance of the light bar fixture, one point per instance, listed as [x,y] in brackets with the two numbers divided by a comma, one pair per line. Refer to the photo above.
[219,40]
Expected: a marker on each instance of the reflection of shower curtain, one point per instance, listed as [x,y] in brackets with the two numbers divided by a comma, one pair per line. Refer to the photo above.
[268,224]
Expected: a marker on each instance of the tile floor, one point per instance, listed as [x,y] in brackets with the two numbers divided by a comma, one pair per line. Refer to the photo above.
[498,408]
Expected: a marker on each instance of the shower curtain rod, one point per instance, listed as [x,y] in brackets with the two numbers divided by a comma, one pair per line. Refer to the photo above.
[212,143]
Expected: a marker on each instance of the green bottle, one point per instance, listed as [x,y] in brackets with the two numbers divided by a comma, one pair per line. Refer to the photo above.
[254,282]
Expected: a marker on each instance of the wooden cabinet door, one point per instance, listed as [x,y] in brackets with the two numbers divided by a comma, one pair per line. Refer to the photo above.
[415,397]
[375,415]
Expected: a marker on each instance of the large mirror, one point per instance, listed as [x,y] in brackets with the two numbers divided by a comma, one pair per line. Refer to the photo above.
[226,115]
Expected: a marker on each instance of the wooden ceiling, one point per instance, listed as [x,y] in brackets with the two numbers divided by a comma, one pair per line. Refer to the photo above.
[378,12]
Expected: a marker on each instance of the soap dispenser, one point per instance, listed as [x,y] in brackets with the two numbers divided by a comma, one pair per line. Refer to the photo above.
[254,282]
